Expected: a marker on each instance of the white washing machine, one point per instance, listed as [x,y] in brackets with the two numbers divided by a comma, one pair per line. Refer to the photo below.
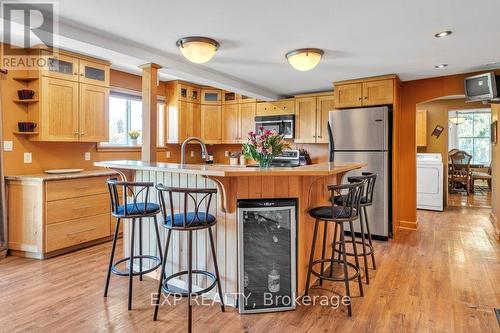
[430,181]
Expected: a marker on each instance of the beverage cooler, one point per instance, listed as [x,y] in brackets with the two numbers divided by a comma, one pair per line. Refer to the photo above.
[266,255]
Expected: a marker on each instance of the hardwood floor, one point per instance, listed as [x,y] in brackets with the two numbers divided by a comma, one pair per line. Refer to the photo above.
[481,198]
[443,278]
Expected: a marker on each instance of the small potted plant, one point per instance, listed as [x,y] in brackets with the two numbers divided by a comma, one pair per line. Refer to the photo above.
[263,146]
[133,135]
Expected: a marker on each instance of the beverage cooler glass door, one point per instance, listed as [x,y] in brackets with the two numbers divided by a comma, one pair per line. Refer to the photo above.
[266,255]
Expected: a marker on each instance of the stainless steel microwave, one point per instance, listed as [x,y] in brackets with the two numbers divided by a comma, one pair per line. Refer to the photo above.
[284,124]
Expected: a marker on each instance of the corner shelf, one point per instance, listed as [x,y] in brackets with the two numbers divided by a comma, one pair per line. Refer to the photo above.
[26,101]
[25,133]
[25,79]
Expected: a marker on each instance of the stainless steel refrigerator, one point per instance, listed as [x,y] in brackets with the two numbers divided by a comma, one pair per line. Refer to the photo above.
[364,135]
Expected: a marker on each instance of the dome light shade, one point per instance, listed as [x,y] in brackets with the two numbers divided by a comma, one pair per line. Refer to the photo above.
[304,59]
[197,49]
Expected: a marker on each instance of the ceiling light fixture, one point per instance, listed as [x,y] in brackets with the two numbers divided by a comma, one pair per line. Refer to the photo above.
[197,49]
[443,34]
[304,59]
[441,66]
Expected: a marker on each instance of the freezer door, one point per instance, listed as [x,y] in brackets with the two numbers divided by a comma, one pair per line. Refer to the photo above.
[360,129]
[377,162]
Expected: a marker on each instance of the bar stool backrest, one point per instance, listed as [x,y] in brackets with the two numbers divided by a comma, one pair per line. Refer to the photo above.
[137,191]
[369,188]
[352,199]
[190,195]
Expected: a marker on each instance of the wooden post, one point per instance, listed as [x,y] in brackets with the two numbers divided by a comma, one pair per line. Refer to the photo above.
[149,111]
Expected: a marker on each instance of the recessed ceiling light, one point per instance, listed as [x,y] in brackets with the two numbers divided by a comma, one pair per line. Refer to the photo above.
[304,59]
[443,34]
[441,66]
[197,49]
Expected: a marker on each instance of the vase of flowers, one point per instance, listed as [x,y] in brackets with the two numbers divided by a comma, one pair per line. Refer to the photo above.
[263,146]
[133,135]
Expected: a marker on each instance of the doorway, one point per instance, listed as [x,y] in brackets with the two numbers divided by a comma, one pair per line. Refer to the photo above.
[449,125]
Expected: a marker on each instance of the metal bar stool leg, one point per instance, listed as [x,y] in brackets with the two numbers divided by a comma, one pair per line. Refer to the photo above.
[212,245]
[311,257]
[369,237]
[140,249]
[346,274]
[363,240]
[190,279]
[162,274]
[356,260]
[111,257]
[131,266]
[158,239]
[323,249]
[334,247]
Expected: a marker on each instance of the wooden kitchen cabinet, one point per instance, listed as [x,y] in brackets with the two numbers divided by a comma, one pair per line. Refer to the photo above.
[188,93]
[230,123]
[311,117]
[93,113]
[94,73]
[53,214]
[230,97]
[183,112]
[365,92]
[421,128]
[280,107]
[211,119]
[56,115]
[325,104]
[305,120]
[211,96]
[378,92]
[348,95]
[73,102]
[247,120]
[237,121]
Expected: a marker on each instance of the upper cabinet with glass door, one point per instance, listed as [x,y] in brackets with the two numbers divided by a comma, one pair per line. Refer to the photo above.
[94,73]
[211,96]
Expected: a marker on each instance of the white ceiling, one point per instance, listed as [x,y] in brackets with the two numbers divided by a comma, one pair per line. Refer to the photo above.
[360,37]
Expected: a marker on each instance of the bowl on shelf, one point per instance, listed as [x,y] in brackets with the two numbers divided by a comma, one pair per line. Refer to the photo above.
[25,94]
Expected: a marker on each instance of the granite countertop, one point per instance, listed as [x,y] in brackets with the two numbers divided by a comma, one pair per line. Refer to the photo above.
[222,170]
[62,176]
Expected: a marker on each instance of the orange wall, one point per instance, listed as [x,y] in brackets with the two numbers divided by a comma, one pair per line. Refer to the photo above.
[413,93]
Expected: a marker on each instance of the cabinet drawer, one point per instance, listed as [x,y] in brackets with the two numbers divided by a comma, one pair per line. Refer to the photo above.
[73,208]
[74,188]
[276,108]
[69,233]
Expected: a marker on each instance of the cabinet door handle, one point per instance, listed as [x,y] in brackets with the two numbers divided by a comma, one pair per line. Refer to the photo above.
[82,207]
[81,187]
[76,133]
[359,99]
[320,136]
[366,97]
[80,232]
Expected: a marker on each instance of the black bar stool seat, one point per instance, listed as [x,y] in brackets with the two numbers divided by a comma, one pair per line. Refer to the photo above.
[366,237]
[338,215]
[189,221]
[134,211]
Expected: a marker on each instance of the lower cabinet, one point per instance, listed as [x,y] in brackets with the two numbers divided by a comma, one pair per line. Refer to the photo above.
[48,215]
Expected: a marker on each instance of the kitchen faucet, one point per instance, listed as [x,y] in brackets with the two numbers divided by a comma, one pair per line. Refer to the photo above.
[183,148]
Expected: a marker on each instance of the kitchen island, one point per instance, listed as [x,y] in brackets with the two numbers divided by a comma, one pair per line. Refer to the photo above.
[305,183]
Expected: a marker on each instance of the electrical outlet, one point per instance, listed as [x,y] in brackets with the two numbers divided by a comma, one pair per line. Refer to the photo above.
[226,153]
[27,157]
[192,153]
[168,154]
[87,156]
[7,145]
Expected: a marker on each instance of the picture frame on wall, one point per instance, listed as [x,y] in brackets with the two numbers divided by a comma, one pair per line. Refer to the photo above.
[494,132]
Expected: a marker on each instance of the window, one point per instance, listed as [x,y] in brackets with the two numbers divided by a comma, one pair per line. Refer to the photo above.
[473,135]
[125,115]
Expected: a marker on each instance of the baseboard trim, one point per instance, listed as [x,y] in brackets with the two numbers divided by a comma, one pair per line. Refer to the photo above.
[494,222]
[407,225]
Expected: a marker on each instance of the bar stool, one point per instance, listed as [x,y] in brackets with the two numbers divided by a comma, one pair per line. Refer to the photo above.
[348,212]
[132,211]
[189,221]
[366,238]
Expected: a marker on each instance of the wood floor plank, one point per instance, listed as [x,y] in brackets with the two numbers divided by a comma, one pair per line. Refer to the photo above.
[442,278]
